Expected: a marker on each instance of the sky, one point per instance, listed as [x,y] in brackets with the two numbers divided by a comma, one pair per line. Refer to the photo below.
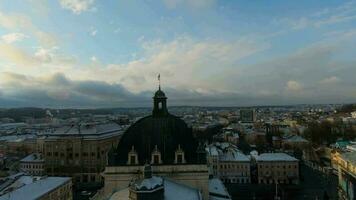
[92,53]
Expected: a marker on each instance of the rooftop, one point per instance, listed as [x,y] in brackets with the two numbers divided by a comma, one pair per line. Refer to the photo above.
[275,157]
[217,189]
[36,189]
[172,191]
[34,157]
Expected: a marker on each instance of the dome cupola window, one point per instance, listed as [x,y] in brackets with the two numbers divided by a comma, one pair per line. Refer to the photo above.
[179,156]
[156,156]
[132,157]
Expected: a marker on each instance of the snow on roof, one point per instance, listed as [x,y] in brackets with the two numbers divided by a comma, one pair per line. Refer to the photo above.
[172,191]
[234,156]
[275,157]
[36,189]
[34,157]
[217,188]
[149,183]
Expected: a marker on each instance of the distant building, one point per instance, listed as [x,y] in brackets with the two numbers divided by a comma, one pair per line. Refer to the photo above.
[353,114]
[228,163]
[277,168]
[247,115]
[80,151]
[53,188]
[33,164]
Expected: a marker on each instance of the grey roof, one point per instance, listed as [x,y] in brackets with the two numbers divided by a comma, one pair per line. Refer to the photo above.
[36,189]
[34,157]
[275,157]
[217,189]
[87,131]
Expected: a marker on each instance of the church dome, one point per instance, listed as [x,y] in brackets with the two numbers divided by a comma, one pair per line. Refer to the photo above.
[160,94]
[160,132]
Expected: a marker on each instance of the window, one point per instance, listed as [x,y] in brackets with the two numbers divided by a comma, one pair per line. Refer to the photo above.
[180,158]
[156,159]
[132,160]
[160,105]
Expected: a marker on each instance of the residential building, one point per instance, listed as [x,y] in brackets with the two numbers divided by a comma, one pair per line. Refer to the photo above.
[345,162]
[33,164]
[247,115]
[277,168]
[229,164]
[80,151]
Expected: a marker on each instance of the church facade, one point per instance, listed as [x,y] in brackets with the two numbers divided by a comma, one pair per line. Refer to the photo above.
[162,141]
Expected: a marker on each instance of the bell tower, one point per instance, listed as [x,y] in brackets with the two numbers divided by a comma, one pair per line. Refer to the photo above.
[159,101]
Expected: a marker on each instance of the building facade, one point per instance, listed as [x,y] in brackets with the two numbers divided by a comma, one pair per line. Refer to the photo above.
[33,164]
[226,162]
[278,168]
[80,152]
[345,164]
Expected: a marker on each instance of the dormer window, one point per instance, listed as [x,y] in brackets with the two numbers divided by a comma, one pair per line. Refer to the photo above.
[132,157]
[156,156]
[179,156]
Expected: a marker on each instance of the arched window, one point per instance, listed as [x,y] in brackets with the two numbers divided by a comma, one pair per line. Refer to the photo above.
[179,156]
[132,157]
[156,156]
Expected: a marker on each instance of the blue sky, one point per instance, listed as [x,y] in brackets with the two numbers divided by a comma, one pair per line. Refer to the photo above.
[91,53]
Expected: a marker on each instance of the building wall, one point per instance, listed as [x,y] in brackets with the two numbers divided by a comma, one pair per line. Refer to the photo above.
[196,176]
[346,176]
[286,172]
[64,192]
[234,172]
[81,159]
[33,168]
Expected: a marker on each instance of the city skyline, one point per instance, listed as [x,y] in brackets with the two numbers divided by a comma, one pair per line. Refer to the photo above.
[87,53]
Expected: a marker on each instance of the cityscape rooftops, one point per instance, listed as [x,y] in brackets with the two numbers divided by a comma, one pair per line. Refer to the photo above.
[275,157]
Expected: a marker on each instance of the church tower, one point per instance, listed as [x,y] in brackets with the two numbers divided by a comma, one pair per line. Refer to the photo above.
[159,102]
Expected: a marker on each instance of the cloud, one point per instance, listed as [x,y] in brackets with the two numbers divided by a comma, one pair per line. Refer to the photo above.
[94,59]
[58,91]
[197,61]
[327,16]
[330,80]
[189,3]
[293,86]
[77,6]
[13,37]
[93,31]
[18,22]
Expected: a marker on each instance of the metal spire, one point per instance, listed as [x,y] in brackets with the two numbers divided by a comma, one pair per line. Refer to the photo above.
[159,81]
